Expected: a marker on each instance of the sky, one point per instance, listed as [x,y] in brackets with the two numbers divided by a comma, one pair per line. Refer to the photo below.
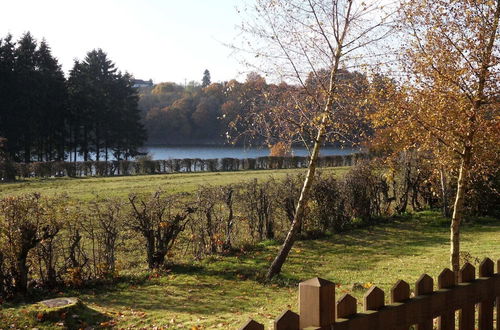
[163,40]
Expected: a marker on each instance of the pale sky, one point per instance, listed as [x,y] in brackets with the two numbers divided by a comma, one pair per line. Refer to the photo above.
[165,40]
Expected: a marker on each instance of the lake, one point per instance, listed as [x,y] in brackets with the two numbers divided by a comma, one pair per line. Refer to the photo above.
[207,152]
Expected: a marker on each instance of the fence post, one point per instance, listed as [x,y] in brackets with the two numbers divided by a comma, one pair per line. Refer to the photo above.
[446,280]
[425,285]
[288,320]
[316,303]
[466,319]
[486,307]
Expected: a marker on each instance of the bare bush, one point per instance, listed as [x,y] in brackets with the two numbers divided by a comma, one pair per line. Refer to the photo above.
[108,215]
[258,202]
[26,221]
[159,222]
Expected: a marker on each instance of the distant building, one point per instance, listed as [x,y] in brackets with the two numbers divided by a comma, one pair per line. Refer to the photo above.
[137,83]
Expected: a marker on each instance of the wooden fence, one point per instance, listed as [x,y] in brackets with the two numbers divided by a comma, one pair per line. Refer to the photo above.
[427,309]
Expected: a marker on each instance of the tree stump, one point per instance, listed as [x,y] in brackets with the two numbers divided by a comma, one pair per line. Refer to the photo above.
[55,309]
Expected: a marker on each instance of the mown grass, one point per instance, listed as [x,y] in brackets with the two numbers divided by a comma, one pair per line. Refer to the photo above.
[225,291]
[87,188]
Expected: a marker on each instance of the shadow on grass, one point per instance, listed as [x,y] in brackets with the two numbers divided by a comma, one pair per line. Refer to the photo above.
[220,284]
[79,317]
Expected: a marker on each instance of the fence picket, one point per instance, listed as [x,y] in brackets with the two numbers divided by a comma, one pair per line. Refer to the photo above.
[425,285]
[399,293]
[446,280]
[486,307]
[346,306]
[374,299]
[288,320]
[252,325]
[498,298]
[467,314]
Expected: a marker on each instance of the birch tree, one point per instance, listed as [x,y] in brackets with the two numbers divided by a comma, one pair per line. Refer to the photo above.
[311,44]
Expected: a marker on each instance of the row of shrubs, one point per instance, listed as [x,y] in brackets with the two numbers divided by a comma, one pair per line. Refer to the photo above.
[49,242]
[52,241]
[145,165]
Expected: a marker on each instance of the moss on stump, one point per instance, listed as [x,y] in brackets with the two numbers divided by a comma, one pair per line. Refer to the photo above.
[55,309]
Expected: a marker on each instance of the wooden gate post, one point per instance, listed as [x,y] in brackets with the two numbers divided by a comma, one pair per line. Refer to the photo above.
[316,303]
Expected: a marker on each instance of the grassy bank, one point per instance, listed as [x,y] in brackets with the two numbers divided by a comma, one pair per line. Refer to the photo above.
[86,188]
[224,291]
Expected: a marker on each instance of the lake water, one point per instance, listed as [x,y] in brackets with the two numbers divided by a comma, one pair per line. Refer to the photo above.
[208,152]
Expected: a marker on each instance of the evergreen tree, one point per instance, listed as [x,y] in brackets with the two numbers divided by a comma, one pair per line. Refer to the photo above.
[8,123]
[205,81]
[50,128]
[32,100]
[26,96]
[105,115]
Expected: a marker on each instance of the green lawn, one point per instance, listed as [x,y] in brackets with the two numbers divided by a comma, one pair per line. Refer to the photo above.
[86,188]
[223,292]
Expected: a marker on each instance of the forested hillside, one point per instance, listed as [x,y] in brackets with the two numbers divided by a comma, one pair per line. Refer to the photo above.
[222,112]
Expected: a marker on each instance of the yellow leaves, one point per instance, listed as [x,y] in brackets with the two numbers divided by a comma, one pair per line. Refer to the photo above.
[108,324]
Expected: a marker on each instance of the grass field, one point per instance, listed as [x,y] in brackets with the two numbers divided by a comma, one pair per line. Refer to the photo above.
[225,291]
[86,188]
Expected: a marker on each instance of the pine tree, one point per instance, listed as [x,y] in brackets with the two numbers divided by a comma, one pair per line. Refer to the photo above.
[205,81]
[105,115]
[7,93]
[50,128]
[26,100]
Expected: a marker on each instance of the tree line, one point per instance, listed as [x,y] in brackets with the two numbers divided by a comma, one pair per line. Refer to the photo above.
[222,112]
[45,117]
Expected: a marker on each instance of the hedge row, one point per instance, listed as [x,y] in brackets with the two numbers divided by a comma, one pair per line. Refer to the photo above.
[149,166]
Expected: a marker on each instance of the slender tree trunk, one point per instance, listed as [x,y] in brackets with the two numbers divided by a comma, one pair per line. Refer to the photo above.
[278,262]
[444,192]
[467,153]
[458,211]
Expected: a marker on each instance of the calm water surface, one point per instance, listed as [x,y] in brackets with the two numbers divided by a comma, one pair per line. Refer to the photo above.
[207,152]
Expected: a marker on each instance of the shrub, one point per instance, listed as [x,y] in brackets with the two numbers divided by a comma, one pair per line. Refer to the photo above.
[258,202]
[26,221]
[157,220]
[107,217]
[330,211]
